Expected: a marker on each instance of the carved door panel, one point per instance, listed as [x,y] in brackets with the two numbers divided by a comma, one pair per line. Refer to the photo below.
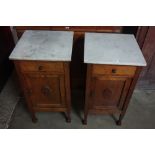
[46,90]
[108,92]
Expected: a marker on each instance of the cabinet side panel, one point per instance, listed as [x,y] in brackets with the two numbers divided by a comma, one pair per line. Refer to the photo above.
[67,85]
[23,87]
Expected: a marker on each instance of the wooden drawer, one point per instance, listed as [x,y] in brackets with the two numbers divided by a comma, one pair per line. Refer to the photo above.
[40,66]
[114,70]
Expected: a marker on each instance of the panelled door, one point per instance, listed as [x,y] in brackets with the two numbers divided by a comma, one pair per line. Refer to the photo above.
[45,90]
[108,92]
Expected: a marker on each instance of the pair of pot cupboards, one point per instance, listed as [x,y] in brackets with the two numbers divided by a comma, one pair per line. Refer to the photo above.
[42,60]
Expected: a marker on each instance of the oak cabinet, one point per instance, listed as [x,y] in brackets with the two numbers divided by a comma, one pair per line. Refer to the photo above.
[45,89]
[114,62]
[109,93]
[42,61]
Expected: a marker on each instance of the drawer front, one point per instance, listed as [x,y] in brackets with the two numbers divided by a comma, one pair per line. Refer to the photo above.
[38,66]
[114,70]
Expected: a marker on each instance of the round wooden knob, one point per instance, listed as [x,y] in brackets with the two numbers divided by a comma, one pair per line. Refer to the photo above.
[40,68]
[113,70]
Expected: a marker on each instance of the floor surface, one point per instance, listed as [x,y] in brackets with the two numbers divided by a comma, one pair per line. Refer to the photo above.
[9,98]
[140,115]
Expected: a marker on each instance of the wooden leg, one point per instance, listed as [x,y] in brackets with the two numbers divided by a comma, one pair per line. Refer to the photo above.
[68,93]
[119,121]
[87,94]
[85,122]
[85,117]
[68,117]
[32,113]
[33,116]
[132,86]
[34,119]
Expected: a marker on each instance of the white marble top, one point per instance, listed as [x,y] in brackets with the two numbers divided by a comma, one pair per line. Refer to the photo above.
[114,49]
[44,45]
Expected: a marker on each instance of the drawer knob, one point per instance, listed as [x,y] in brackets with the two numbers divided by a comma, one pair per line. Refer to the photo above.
[113,70]
[40,68]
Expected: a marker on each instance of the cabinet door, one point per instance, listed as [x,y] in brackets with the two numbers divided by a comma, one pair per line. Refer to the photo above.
[45,90]
[108,92]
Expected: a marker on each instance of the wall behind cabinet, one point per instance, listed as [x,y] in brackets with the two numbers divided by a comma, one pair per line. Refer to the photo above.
[6,47]
[146,39]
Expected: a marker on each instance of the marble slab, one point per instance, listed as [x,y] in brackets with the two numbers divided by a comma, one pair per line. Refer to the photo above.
[114,49]
[44,46]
